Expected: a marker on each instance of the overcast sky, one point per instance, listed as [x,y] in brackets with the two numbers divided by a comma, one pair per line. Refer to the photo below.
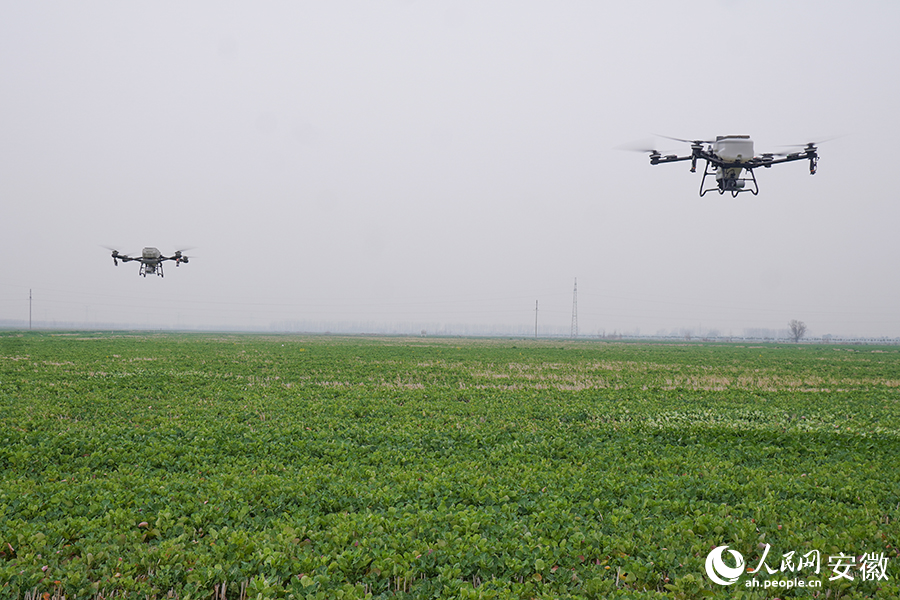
[444,165]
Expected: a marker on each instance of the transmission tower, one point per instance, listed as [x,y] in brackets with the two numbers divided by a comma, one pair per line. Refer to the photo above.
[575,310]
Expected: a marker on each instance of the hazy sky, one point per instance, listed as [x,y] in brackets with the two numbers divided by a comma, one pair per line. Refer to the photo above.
[447,164]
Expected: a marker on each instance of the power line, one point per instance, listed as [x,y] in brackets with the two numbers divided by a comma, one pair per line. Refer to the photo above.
[575,310]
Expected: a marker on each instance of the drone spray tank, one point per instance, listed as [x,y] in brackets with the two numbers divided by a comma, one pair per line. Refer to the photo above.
[732,149]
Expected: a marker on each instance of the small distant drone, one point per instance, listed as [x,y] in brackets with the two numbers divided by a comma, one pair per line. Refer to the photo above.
[151,260]
[728,157]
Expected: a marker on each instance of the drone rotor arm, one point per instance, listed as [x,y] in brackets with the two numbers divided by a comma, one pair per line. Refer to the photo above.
[656,159]
[178,257]
[768,159]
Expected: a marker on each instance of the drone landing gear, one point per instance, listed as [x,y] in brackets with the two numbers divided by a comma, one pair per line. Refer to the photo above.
[735,184]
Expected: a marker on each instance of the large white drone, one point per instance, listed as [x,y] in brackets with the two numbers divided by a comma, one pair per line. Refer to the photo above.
[731,159]
[151,260]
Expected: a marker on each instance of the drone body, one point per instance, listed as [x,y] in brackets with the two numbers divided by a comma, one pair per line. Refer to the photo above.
[151,260]
[731,160]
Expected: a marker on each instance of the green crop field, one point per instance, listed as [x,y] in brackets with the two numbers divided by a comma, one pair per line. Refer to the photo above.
[155,466]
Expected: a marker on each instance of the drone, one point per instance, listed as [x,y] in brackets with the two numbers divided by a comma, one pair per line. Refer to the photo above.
[731,160]
[151,260]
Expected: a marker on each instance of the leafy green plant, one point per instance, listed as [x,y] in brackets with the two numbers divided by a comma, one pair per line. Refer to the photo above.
[239,466]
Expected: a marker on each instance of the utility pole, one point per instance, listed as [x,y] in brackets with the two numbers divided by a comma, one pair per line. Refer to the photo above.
[535,318]
[575,311]
[29,308]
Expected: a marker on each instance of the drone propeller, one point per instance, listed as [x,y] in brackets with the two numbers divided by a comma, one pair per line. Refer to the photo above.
[807,149]
[691,142]
[180,257]
[642,146]
[118,255]
[117,251]
[809,146]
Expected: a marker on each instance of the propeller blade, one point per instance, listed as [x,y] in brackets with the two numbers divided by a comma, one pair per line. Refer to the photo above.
[643,146]
[811,145]
[180,257]
[692,142]
[115,252]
